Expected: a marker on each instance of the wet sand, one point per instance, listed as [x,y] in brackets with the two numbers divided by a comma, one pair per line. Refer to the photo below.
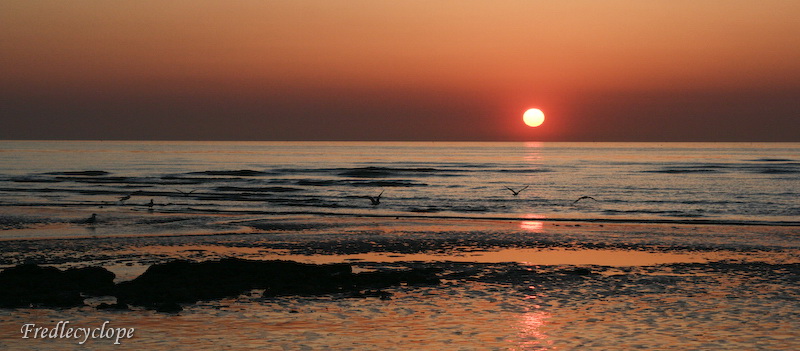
[507,285]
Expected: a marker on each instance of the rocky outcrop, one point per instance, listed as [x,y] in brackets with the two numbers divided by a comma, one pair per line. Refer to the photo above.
[165,286]
[189,282]
[31,285]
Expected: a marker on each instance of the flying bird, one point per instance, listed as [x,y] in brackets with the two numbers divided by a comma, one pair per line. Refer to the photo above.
[584,198]
[375,200]
[185,194]
[516,192]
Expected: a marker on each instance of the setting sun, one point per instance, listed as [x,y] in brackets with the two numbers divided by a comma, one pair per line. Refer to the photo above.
[533,117]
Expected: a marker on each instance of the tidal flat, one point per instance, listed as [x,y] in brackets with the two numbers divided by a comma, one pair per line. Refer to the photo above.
[504,285]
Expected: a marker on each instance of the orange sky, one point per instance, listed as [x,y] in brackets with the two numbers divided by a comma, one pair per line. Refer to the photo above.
[406,70]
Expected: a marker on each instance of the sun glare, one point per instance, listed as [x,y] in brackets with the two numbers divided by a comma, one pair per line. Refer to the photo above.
[533,117]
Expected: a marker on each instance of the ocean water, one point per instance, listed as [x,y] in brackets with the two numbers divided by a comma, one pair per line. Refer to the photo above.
[749,183]
[687,246]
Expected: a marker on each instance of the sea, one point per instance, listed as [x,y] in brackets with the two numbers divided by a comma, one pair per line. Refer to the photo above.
[689,246]
[741,183]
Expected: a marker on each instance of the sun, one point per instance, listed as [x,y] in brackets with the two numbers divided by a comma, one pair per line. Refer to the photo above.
[533,117]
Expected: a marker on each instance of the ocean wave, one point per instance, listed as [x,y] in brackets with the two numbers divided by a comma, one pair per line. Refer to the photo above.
[774,170]
[238,173]
[306,202]
[309,171]
[536,170]
[35,179]
[391,183]
[387,183]
[671,213]
[772,160]
[269,189]
[382,172]
[683,170]
[684,202]
[104,180]
[80,173]
[373,172]
[774,166]
[318,182]
[476,208]
[183,180]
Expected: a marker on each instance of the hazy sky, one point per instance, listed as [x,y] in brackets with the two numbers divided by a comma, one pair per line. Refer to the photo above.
[400,70]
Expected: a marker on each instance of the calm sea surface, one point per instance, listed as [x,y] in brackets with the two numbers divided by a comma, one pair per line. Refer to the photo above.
[718,182]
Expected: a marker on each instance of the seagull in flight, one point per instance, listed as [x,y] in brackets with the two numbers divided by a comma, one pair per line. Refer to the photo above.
[584,198]
[375,200]
[516,192]
[185,194]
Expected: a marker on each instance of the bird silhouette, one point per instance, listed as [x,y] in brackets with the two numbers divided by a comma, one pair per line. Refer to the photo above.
[124,198]
[151,203]
[185,194]
[375,200]
[516,192]
[584,198]
[90,220]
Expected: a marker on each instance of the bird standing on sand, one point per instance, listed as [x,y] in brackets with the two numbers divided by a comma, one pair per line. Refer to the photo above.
[516,192]
[90,220]
[375,200]
[150,204]
[584,198]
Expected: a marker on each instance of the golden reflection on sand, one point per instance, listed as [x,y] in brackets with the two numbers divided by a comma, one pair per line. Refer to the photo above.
[530,256]
[532,226]
[531,333]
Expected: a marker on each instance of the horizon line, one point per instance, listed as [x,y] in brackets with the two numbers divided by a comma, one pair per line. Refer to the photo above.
[413,141]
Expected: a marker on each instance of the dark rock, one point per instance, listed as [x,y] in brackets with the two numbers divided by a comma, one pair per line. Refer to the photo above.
[164,286]
[577,271]
[383,295]
[168,307]
[116,306]
[91,280]
[189,282]
[57,299]
[420,277]
[30,285]
[377,280]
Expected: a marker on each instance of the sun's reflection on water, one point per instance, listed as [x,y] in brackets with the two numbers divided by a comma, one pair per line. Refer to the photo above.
[533,154]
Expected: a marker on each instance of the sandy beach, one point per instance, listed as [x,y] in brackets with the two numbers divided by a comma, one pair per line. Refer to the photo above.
[505,285]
